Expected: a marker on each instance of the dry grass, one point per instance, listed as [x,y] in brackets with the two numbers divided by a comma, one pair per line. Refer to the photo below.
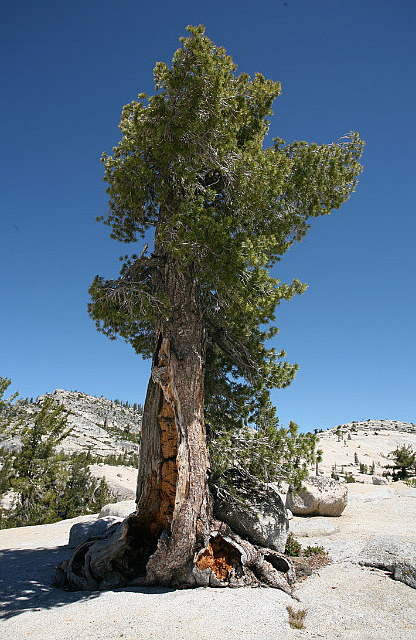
[318,560]
[296,618]
[307,561]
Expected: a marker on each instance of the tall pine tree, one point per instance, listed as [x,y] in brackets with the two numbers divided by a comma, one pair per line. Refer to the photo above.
[192,168]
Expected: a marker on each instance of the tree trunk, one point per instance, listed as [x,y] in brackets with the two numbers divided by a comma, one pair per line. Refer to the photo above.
[173,500]
[172,539]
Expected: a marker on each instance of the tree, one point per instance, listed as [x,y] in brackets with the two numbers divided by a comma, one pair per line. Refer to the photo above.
[404,460]
[8,407]
[82,493]
[36,474]
[192,169]
[9,414]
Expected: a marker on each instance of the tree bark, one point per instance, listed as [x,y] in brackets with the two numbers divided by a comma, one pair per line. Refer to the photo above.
[172,539]
[173,500]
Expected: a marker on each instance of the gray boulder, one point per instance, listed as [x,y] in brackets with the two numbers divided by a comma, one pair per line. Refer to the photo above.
[405,571]
[256,512]
[120,509]
[396,554]
[379,480]
[319,496]
[82,531]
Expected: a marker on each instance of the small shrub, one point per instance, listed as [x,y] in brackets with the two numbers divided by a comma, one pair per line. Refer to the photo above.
[411,482]
[293,547]
[349,478]
[307,561]
[313,551]
[296,618]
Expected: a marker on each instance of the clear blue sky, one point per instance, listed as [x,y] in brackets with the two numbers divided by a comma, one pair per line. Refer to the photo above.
[67,69]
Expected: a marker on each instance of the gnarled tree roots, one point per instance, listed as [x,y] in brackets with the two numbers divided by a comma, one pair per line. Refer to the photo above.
[124,557]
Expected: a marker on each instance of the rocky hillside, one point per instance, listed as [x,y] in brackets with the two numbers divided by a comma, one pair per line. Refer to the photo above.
[108,428]
[368,441]
[99,425]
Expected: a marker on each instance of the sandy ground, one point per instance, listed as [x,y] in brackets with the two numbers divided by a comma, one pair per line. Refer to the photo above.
[343,600]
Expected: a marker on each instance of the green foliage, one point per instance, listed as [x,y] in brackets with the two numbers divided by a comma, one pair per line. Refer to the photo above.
[293,547]
[6,459]
[356,461]
[349,478]
[8,413]
[192,166]
[83,493]
[37,475]
[404,459]
[127,459]
[5,403]
[40,440]
[313,551]
[269,453]
[9,409]
[363,468]
[122,434]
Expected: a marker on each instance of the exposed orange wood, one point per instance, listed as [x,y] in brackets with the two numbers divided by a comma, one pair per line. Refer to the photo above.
[220,556]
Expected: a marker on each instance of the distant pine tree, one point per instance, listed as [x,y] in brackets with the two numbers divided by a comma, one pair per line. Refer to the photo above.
[404,459]
[83,493]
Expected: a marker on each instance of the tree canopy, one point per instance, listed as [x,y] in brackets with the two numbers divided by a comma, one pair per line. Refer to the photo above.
[192,165]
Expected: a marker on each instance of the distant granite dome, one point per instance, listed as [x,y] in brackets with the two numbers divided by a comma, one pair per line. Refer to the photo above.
[99,425]
[362,449]
[377,425]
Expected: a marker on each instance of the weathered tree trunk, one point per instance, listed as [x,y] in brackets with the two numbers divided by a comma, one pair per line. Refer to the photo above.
[172,538]
[173,499]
